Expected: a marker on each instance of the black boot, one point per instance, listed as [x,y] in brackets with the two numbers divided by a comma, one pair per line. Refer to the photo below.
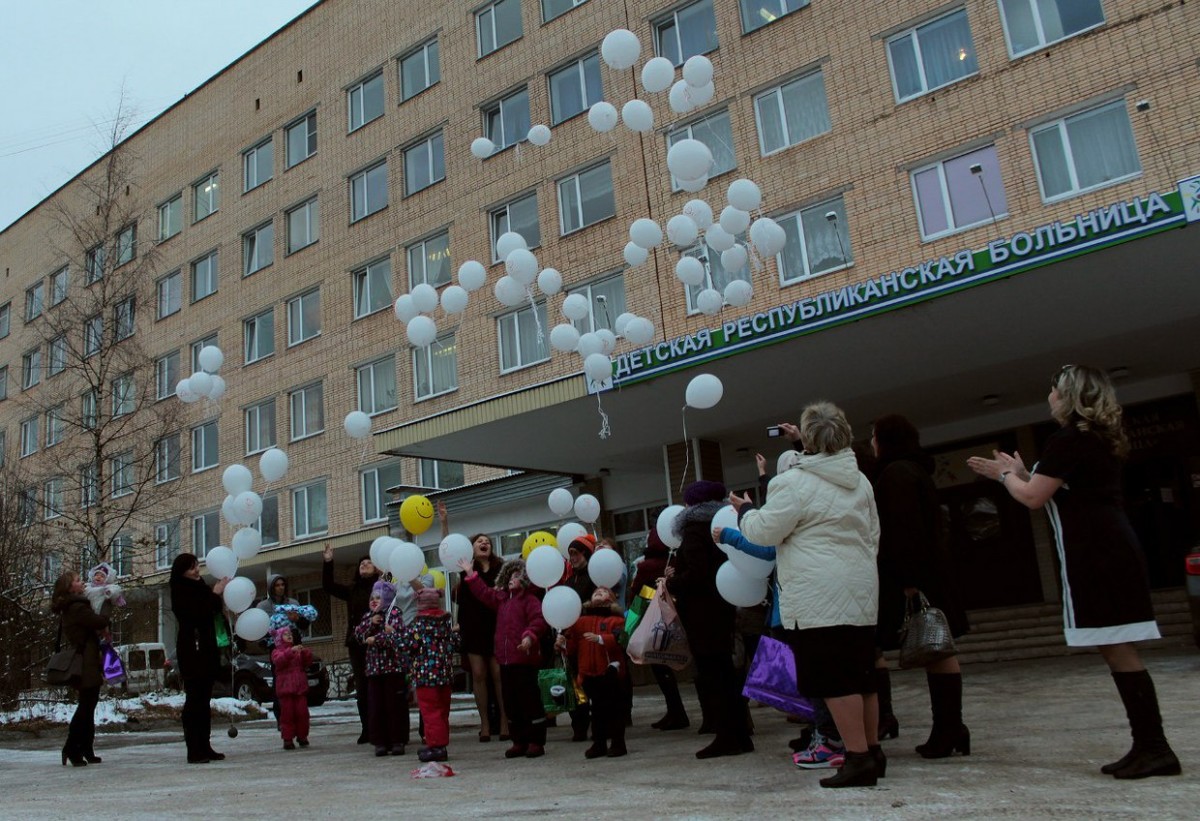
[949,734]
[1151,754]
[880,759]
[859,770]
[889,727]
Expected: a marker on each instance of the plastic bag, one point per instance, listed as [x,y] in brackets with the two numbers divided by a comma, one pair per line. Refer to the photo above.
[660,639]
[110,662]
[772,679]
[433,769]
[558,691]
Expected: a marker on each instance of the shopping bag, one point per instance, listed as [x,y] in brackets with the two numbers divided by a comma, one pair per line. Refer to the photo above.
[557,689]
[110,663]
[635,613]
[660,639]
[925,637]
[221,627]
[771,679]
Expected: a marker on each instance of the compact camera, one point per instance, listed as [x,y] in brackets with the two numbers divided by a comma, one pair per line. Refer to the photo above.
[774,431]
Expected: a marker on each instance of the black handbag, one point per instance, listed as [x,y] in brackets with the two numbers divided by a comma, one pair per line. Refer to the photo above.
[925,637]
[65,666]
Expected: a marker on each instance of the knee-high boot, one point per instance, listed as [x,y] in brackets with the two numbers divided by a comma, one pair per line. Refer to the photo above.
[949,734]
[1150,754]
[889,727]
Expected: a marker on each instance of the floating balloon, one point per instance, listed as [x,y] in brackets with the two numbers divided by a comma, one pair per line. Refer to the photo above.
[381,551]
[200,383]
[218,388]
[575,306]
[657,74]
[239,594]
[767,236]
[508,242]
[693,186]
[454,299]
[222,562]
[689,159]
[471,275]
[680,99]
[702,95]
[737,588]
[561,607]
[183,390]
[539,538]
[482,148]
[739,292]
[699,212]
[718,238]
[698,71]
[665,524]
[682,231]
[560,501]
[734,220]
[539,134]
[252,624]
[621,321]
[606,567]
[455,548]
[587,507]
[727,516]
[689,271]
[273,464]
[635,254]
[416,514]
[704,391]
[598,368]
[521,265]
[248,505]
[211,359]
[229,513]
[620,49]
[236,478]
[425,297]
[509,292]
[639,330]
[602,117]
[246,543]
[406,562]
[744,194]
[608,340]
[734,259]
[549,281]
[405,308]
[421,332]
[357,423]
[645,233]
[564,337]
[709,301]
[567,534]
[637,116]
[589,344]
[545,565]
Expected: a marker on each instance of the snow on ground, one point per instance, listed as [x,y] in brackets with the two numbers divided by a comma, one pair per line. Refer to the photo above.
[43,707]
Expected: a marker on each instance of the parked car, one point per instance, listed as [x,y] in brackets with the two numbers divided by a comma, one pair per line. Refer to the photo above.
[145,667]
[249,676]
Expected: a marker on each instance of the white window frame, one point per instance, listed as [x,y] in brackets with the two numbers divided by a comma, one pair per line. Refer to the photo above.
[254,334]
[503,214]
[762,99]
[201,435]
[206,197]
[198,346]
[259,434]
[671,20]
[5,319]
[308,122]
[93,335]
[418,255]
[425,466]
[373,491]
[485,24]
[298,401]
[89,410]
[575,185]
[29,436]
[593,320]
[258,248]
[500,117]
[359,95]
[369,379]
[35,300]
[121,474]
[3,382]
[270,511]
[89,485]
[938,168]
[298,331]
[168,457]
[429,53]
[125,318]
[31,368]
[310,212]
[717,281]
[783,9]
[166,374]
[170,293]
[836,204]
[1061,125]
[302,509]
[204,273]
[166,544]
[692,131]
[366,188]
[566,5]
[917,46]
[56,355]
[1040,27]
[433,146]
[170,216]
[56,426]
[206,532]
[444,345]
[94,262]
[124,395]
[53,493]
[510,323]
[126,244]
[59,283]
[580,68]
[365,283]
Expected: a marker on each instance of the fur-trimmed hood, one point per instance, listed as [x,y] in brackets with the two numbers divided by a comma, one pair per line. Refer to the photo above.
[507,570]
[700,513]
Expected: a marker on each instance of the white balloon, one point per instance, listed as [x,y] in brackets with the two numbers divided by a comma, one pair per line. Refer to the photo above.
[567,534]
[689,270]
[381,550]
[727,516]
[545,565]
[246,543]
[744,194]
[561,607]
[602,116]
[454,547]
[598,368]
[239,594]
[273,464]
[734,259]
[734,220]
[704,391]
[211,358]
[201,383]
[709,301]
[482,147]
[698,71]
[508,242]
[471,275]
[560,501]
[454,299]
[750,566]
[699,212]
[521,265]
[665,524]
[509,292]
[635,254]
[549,281]
[236,478]
[425,297]
[404,308]
[589,344]
[406,562]
[689,159]
[621,322]
[606,567]
[575,306]
[645,233]
[421,332]
[183,390]
[357,423]
[587,508]
[252,624]
[679,99]
[767,236]
[718,238]
[739,292]
[564,337]
[607,339]
[682,231]
[639,330]
[222,563]
[539,134]
[702,95]
[218,388]
[657,74]
[693,186]
[737,588]
[228,512]
[620,49]
[637,116]
[248,505]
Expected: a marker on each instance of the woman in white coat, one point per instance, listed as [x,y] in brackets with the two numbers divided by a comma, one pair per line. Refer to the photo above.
[821,516]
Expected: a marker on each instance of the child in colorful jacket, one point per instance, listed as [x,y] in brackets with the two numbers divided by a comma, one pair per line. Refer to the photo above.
[429,641]
[291,687]
[519,626]
[387,690]
[592,645]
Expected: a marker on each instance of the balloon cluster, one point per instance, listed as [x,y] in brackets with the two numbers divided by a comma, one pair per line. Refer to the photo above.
[204,383]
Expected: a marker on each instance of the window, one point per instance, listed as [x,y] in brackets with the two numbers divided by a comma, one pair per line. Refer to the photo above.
[574,88]
[372,287]
[197,347]
[715,132]
[715,275]
[757,13]
[429,261]
[166,375]
[3,381]
[322,626]
[126,244]
[301,138]
[58,286]
[586,198]
[259,334]
[206,197]
[377,386]
[31,368]
[170,294]
[686,31]
[93,335]
[35,300]
[506,121]
[3,447]
[1085,151]
[310,510]
[424,164]
[122,555]
[93,264]
[258,164]
[57,358]
[206,533]
[124,316]
[435,367]
[89,410]
[1029,25]
[419,69]
[441,474]
[204,446]
[304,317]
[307,411]
[816,244]
[27,506]
[258,248]
[364,101]
[166,459]
[959,193]
[5,319]
[498,24]
[931,55]
[51,567]
[602,313]
[52,497]
[124,395]
[166,544]
[29,436]
[374,483]
[304,225]
[368,191]
[260,426]
[557,8]
[204,276]
[56,425]
[518,332]
[170,217]
[791,113]
[89,485]
[519,216]
[121,470]
[268,520]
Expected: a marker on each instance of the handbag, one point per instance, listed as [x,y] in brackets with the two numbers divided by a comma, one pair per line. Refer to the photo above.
[65,666]
[771,679]
[925,637]
[660,639]
[557,689]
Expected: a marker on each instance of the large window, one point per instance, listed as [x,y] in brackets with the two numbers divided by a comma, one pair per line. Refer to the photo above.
[307,411]
[31,368]
[166,458]
[520,216]
[816,243]
[715,132]
[574,88]
[166,544]
[518,333]
[586,198]
[606,302]
[120,469]
[57,359]
[170,294]
[429,261]
[931,55]
[304,317]
[94,261]
[93,335]
[206,532]
[206,197]
[1085,151]
[506,121]
[166,375]
[1031,24]
[258,248]
[35,301]
[435,367]
[126,244]
[29,436]
[310,510]
[364,101]
[372,287]
[374,482]
[791,113]
[258,164]
[260,426]
[377,386]
[124,395]
[557,8]
[122,555]
[301,139]
[424,164]
[419,69]
[758,13]
[204,446]
[258,333]
[686,31]
[368,191]
[498,24]
[304,225]
[441,474]
[56,426]
[204,276]
[125,318]
[170,217]
[89,409]
[59,281]
[959,193]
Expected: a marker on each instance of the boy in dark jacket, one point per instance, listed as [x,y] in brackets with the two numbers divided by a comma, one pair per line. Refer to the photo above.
[430,642]
[592,645]
[291,687]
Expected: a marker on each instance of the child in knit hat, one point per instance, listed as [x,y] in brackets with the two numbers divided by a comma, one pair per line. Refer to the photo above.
[387,693]
[591,643]
[430,642]
[291,687]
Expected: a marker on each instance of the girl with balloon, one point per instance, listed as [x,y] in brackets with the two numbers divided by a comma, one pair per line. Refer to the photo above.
[196,608]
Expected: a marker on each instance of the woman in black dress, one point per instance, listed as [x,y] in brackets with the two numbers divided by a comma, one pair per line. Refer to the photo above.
[196,608]
[1106,594]
[80,629]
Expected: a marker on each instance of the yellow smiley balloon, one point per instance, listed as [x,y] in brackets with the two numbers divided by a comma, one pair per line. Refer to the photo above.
[416,514]
[439,579]
[535,540]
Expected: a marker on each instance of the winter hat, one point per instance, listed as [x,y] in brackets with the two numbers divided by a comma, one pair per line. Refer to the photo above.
[277,635]
[703,490]
[429,598]
[385,590]
[654,544]
[104,567]
[585,544]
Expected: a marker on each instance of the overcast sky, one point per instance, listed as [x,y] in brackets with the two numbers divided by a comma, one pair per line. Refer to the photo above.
[63,64]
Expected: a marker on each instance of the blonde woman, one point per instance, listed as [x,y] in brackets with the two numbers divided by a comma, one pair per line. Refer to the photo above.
[1106,595]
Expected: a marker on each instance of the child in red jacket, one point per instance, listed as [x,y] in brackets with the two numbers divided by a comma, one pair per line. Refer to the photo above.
[291,687]
[429,642]
[591,642]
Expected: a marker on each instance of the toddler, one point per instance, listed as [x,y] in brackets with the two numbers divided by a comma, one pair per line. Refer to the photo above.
[430,642]
[387,693]
[291,687]
[99,589]
[592,645]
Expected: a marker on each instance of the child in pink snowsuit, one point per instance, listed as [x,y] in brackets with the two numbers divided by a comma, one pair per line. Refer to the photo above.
[291,687]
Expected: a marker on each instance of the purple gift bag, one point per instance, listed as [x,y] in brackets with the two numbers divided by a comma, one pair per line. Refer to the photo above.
[110,662]
[772,679]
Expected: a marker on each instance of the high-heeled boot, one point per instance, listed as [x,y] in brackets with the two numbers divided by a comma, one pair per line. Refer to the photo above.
[858,770]
[949,734]
[889,727]
[1150,754]
[70,753]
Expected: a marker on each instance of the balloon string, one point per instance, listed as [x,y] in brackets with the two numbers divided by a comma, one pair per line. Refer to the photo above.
[537,320]
[605,430]
[687,451]
[363,456]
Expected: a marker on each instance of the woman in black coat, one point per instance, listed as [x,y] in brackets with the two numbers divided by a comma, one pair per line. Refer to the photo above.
[357,596]
[80,629]
[914,555]
[196,608]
